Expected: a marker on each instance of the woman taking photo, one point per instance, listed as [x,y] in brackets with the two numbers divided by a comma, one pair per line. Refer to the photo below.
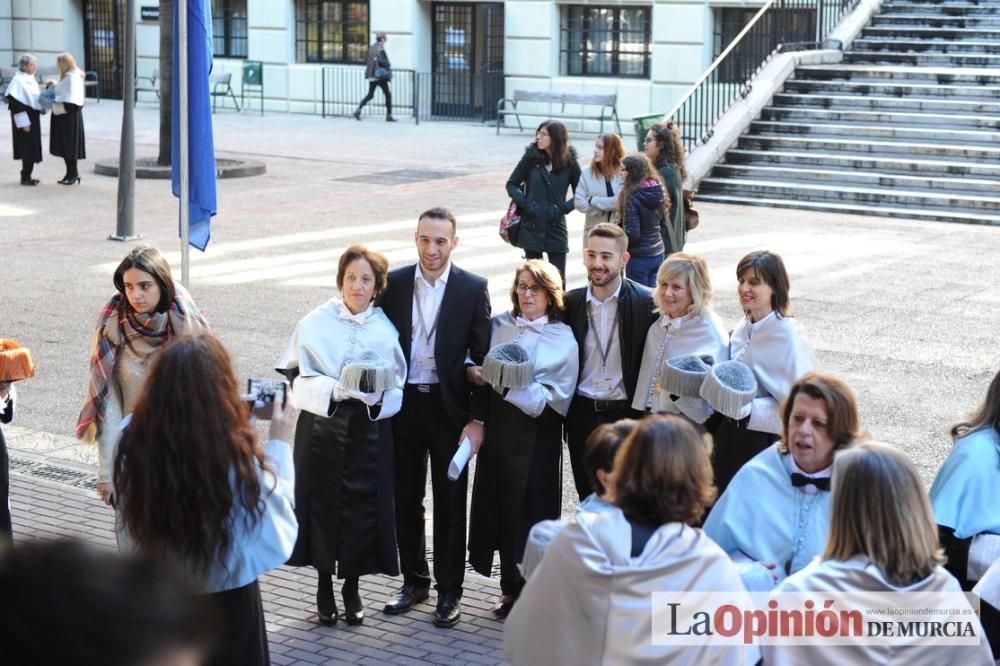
[518,473]
[147,311]
[773,517]
[773,345]
[343,440]
[193,487]
[641,209]
[25,119]
[597,193]
[66,138]
[687,325]
[538,184]
[882,540]
[665,148]
[590,599]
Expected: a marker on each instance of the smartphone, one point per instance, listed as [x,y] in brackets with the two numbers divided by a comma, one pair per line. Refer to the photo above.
[268,391]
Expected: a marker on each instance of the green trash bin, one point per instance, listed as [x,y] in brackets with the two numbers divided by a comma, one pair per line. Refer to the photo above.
[642,125]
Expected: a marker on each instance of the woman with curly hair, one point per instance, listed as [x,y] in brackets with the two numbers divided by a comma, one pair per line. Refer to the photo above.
[642,209]
[665,148]
[193,487]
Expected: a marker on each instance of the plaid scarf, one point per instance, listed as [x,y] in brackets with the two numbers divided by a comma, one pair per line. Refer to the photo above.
[119,325]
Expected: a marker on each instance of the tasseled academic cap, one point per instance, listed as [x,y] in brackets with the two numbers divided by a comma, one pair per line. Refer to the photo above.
[367,373]
[728,387]
[15,362]
[684,375]
[508,366]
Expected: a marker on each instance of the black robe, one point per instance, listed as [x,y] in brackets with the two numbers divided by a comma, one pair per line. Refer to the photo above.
[27,145]
[66,138]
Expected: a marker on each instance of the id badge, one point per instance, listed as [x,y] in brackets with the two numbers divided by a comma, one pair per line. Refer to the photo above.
[426,363]
[604,385]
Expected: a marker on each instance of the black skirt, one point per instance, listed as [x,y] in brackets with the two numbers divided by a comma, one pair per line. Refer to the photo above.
[344,493]
[66,137]
[27,145]
[242,634]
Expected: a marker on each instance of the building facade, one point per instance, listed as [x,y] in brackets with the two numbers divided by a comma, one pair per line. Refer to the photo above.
[456,57]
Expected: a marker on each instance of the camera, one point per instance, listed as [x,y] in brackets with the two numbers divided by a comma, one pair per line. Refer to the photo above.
[268,391]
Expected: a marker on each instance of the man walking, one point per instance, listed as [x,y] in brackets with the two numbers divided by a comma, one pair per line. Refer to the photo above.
[609,318]
[378,71]
[442,314]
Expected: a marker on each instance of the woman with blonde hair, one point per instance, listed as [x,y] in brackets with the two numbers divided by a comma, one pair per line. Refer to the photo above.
[590,599]
[597,192]
[519,472]
[687,327]
[882,538]
[66,138]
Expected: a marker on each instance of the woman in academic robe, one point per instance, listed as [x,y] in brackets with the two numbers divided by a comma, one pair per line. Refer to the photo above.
[343,442]
[22,100]
[687,326]
[519,471]
[773,344]
[773,517]
[66,139]
[882,539]
[964,499]
[590,600]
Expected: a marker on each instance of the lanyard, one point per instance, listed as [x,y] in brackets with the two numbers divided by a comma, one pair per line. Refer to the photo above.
[423,325]
[604,349]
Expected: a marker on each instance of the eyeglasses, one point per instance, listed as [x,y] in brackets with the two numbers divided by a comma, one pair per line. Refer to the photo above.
[535,289]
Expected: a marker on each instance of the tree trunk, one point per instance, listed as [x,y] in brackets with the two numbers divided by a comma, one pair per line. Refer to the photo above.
[166,78]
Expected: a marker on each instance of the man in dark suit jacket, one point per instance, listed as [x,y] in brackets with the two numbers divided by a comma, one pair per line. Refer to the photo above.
[442,314]
[609,318]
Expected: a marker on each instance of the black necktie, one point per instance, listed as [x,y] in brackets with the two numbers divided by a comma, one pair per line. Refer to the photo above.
[799,480]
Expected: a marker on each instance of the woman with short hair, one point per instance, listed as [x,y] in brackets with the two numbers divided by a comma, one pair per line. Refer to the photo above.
[343,440]
[773,344]
[66,138]
[148,310]
[590,600]
[193,487]
[641,209]
[687,326]
[600,182]
[882,539]
[519,472]
[22,100]
[773,517]
[663,145]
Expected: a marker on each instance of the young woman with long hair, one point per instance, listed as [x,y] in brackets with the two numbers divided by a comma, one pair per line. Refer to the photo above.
[193,487]
[664,146]
[642,207]
[597,192]
[539,183]
[147,311]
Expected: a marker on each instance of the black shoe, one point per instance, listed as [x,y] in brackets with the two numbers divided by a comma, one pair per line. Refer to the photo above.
[449,610]
[357,114]
[390,119]
[29,181]
[69,181]
[354,608]
[326,605]
[407,597]
[503,606]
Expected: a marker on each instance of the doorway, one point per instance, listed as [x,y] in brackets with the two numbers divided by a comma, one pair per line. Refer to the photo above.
[467,59]
[104,43]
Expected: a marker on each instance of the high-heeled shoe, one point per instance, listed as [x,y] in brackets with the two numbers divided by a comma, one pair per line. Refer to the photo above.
[326,605]
[354,607]
[69,181]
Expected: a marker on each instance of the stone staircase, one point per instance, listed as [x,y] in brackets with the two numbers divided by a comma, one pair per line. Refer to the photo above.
[907,126]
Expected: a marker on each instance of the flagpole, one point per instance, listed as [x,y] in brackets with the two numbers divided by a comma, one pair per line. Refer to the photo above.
[182,100]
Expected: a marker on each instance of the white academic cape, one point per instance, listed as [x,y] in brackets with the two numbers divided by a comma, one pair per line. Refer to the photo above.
[859,574]
[964,493]
[589,601]
[762,517]
[24,88]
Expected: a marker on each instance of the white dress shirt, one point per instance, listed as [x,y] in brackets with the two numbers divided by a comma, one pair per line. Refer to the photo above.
[423,369]
[600,381]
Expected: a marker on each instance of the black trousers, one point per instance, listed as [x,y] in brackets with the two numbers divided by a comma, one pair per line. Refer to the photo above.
[423,430]
[384,85]
[581,420]
[6,528]
[557,259]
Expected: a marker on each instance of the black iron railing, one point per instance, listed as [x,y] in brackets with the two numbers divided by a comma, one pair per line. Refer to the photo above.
[779,26]
[421,95]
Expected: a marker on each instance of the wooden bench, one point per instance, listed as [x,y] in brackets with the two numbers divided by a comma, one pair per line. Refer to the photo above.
[607,104]
[221,84]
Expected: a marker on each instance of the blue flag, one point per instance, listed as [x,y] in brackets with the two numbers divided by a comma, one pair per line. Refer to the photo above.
[201,148]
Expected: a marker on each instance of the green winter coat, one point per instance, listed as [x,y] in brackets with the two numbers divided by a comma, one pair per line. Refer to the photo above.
[543,214]
[675,188]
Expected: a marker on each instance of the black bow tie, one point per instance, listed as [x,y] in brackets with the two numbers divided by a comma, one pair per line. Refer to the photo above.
[799,480]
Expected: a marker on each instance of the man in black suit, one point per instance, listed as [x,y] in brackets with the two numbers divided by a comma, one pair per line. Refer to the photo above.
[442,314]
[609,318]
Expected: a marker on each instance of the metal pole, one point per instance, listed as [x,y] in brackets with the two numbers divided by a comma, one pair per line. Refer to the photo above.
[185,167]
[125,227]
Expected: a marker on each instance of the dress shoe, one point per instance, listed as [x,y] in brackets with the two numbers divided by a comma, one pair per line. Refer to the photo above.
[326,605]
[390,119]
[407,597]
[503,606]
[357,114]
[69,181]
[354,608]
[449,610]
[29,181]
